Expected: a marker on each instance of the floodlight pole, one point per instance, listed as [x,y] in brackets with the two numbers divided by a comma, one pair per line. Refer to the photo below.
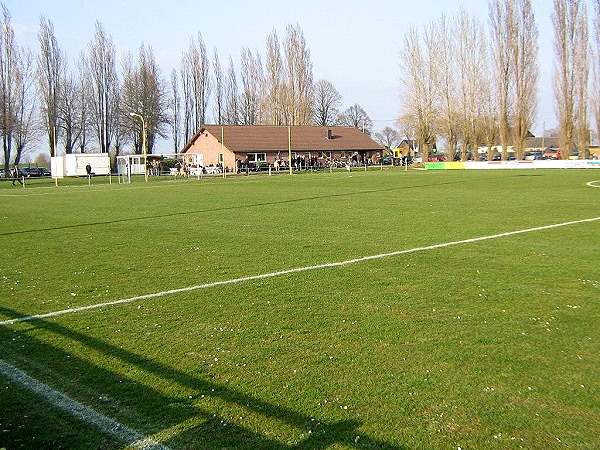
[222,152]
[290,148]
[144,149]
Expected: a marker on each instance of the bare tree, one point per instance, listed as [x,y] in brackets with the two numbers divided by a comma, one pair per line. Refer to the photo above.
[566,20]
[327,102]
[188,101]
[219,89]
[299,78]
[124,129]
[251,83]
[274,81]
[581,56]
[486,109]
[144,93]
[488,98]
[26,126]
[446,87]
[355,116]
[501,30]
[104,88]
[419,80]
[50,66]
[8,85]
[524,49]
[388,137]
[84,93]
[68,112]
[175,119]
[198,64]
[17,79]
[595,104]
[232,98]
[468,47]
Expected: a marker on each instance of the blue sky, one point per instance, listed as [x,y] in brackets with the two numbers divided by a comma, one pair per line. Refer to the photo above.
[354,44]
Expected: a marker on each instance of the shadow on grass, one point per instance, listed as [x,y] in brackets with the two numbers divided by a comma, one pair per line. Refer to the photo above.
[225,208]
[135,403]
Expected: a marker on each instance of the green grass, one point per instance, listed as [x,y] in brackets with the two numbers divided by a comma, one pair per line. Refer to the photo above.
[486,345]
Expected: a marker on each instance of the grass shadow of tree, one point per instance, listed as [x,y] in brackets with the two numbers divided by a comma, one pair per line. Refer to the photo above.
[151,411]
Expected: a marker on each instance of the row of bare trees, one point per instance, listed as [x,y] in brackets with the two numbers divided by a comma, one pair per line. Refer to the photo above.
[75,104]
[16,92]
[277,91]
[572,52]
[85,104]
[468,88]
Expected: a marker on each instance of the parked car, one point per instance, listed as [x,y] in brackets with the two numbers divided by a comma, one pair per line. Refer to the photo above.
[436,159]
[534,156]
[32,172]
[551,154]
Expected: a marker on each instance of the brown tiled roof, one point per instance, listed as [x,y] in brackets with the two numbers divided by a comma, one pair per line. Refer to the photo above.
[242,138]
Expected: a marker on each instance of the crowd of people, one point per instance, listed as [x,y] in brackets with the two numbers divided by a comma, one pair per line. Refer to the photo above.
[303,163]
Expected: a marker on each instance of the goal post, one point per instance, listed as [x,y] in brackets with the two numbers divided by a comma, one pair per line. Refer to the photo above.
[176,165]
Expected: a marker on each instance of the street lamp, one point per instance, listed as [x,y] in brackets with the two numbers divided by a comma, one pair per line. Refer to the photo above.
[144,150]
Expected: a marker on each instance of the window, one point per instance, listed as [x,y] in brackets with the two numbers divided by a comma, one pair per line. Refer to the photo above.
[324,155]
[257,157]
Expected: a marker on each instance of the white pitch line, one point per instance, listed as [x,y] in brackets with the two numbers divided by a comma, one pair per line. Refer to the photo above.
[593,184]
[59,400]
[97,188]
[290,271]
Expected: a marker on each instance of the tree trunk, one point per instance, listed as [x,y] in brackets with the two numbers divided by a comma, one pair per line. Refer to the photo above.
[425,151]
[18,154]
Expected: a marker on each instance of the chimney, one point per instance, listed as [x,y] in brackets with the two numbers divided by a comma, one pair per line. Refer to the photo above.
[329,134]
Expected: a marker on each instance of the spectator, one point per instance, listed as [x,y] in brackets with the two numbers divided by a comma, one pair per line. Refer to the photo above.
[16,176]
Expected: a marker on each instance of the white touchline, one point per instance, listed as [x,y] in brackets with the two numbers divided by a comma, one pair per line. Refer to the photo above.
[83,189]
[290,271]
[59,400]
[593,184]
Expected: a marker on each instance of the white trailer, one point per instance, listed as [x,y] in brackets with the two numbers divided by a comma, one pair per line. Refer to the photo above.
[74,164]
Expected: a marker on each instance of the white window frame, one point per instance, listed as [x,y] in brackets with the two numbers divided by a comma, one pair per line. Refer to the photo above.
[254,157]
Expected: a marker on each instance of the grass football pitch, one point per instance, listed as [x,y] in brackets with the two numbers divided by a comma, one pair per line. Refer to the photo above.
[488,344]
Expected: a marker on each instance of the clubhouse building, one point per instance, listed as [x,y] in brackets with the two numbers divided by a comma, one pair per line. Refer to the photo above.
[236,146]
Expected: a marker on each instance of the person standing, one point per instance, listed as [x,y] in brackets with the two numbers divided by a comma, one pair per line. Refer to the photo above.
[16,176]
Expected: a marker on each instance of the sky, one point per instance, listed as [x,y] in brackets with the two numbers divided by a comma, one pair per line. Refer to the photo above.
[355,45]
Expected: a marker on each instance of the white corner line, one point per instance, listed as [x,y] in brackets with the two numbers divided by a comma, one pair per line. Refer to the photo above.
[290,271]
[59,400]
[594,184]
